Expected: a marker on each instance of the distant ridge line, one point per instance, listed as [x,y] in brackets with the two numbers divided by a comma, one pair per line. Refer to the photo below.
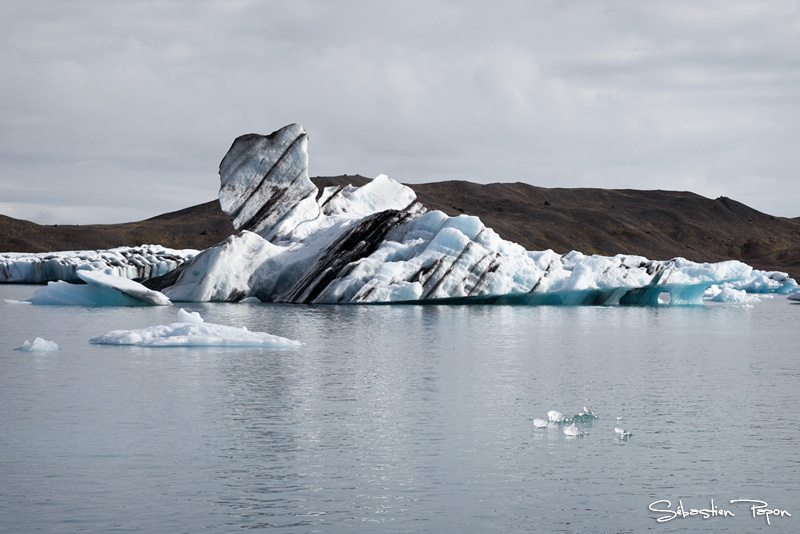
[655,224]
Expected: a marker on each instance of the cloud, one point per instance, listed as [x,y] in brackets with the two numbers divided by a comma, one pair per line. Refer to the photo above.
[117,110]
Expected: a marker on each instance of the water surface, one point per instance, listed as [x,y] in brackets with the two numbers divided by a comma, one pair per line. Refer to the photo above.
[400,419]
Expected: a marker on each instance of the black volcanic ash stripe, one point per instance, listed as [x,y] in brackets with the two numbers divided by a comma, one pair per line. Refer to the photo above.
[336,261]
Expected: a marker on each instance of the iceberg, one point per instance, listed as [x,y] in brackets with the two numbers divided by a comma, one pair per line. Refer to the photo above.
[727,293]
[378,244]
[100,289]
[766,282]
[794,296]
[136,263]
[39,345]
[192,331]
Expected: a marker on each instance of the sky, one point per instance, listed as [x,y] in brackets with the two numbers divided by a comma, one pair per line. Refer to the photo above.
[120,110]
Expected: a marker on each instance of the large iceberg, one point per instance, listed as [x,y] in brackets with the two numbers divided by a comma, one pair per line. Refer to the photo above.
[377,244]
[136,263]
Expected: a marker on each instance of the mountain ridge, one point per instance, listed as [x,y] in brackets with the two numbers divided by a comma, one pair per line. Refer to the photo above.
[656,224]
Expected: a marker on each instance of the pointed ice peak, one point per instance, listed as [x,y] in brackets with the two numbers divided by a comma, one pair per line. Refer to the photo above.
[263,177]
[189,317]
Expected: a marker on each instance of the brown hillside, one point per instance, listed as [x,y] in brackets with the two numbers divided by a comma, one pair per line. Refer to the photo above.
[655,224]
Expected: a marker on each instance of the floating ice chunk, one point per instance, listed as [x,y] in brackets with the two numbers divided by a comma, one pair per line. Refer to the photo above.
[726,293]
[623,434]
[250,300]
[555,416]
[795,296]
[12,301]
[766,282]
[540,423]
[586,416]
[100,290]
[39,345]
[193,331]
[572,430]
[189,317]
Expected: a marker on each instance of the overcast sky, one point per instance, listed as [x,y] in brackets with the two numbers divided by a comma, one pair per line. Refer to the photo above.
[118,110]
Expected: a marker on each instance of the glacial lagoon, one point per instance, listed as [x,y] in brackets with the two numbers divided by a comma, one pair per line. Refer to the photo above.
[402,419]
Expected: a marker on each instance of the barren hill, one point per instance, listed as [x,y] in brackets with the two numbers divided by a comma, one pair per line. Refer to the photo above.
[656,224]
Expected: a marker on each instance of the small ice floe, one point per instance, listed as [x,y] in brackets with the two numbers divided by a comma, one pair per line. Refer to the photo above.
[540,423]
[250,300]
[585,416]
[192,331]
[794,296]
[555,416]
[726,293]
[571,426]
[12,301]
[623,434]
[39,345]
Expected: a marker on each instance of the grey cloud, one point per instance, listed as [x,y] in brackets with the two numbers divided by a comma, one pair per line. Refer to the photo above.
[131,105]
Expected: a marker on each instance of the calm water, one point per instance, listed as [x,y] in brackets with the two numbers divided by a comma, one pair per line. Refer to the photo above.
[401,419]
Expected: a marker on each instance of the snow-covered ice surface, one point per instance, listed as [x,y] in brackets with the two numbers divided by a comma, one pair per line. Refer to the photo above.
[726,293]
[377,244]
[143,262]
[100,289]
[765,282]
[39,345]
[192,331]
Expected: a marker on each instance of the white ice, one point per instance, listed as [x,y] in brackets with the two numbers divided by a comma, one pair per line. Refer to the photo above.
[191,330]
[39,345]
[145,261]
[540,423]
[555,416]
[623,434]
[728,294]
[461,257]
[795,296]
[100,289]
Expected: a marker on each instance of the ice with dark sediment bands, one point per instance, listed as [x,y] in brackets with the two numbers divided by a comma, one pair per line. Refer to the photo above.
[140,263]
[377,244]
